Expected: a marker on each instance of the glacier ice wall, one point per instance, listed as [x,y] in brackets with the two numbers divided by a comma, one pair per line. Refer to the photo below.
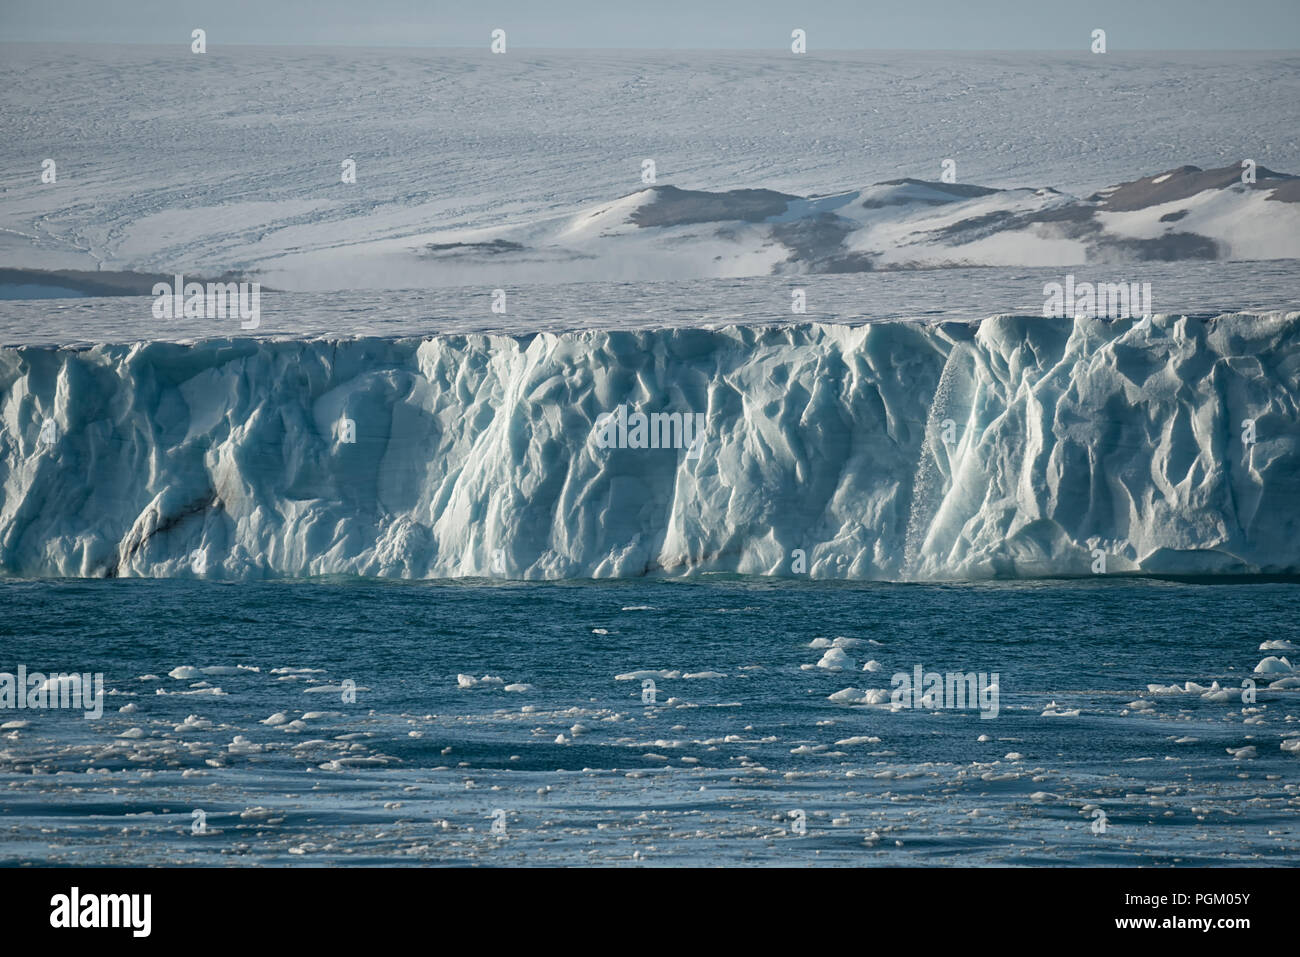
[1012,447]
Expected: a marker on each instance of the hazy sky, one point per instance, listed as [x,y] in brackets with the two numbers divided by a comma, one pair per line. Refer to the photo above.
[757,24]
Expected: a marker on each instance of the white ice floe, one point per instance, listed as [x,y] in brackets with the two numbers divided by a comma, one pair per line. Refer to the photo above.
[835,660]
[193,723]
[469,681]
[1189,687]
[647,673]
[861,696]
[1273,665]
[1053,710]
[215,692]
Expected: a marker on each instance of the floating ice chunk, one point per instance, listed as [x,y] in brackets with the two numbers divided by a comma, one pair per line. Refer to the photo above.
[872,665]
[184,673]
[704,674]
[1242,753]
[856,739]
[1013,756]
[229,669]
[847,695]
[1190,687]
[1278,644]
[241,745]
[131,708]
[640,675]
[193,723]
[278,718]
[132,733]
[215,692]
[820,643]
[1215,693]
[842,642]
[808,749]
[1053,710]
[518,686]
[1282,684]
[13,725]
[835,660]
[1291,745]
[1273,665]
[860,696]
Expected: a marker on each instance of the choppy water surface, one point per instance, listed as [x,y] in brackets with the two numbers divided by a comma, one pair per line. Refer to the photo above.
[740,751]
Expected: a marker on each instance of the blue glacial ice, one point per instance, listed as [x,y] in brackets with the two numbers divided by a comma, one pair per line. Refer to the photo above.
[1012,447]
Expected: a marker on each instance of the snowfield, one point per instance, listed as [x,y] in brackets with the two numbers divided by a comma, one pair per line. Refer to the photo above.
[666,233]
[231,161]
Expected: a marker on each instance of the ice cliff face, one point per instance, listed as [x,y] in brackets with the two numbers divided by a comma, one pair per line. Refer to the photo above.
[1013,447]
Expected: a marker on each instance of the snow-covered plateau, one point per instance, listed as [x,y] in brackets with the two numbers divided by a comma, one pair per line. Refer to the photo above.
[475,169]
[1013,447]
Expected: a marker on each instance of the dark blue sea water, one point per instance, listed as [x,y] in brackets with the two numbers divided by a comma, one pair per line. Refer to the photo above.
[740,756]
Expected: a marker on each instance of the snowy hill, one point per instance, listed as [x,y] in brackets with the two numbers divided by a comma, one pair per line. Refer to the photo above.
[663,232]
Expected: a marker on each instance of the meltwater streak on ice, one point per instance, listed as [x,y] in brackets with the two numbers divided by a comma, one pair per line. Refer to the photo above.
[474,455]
